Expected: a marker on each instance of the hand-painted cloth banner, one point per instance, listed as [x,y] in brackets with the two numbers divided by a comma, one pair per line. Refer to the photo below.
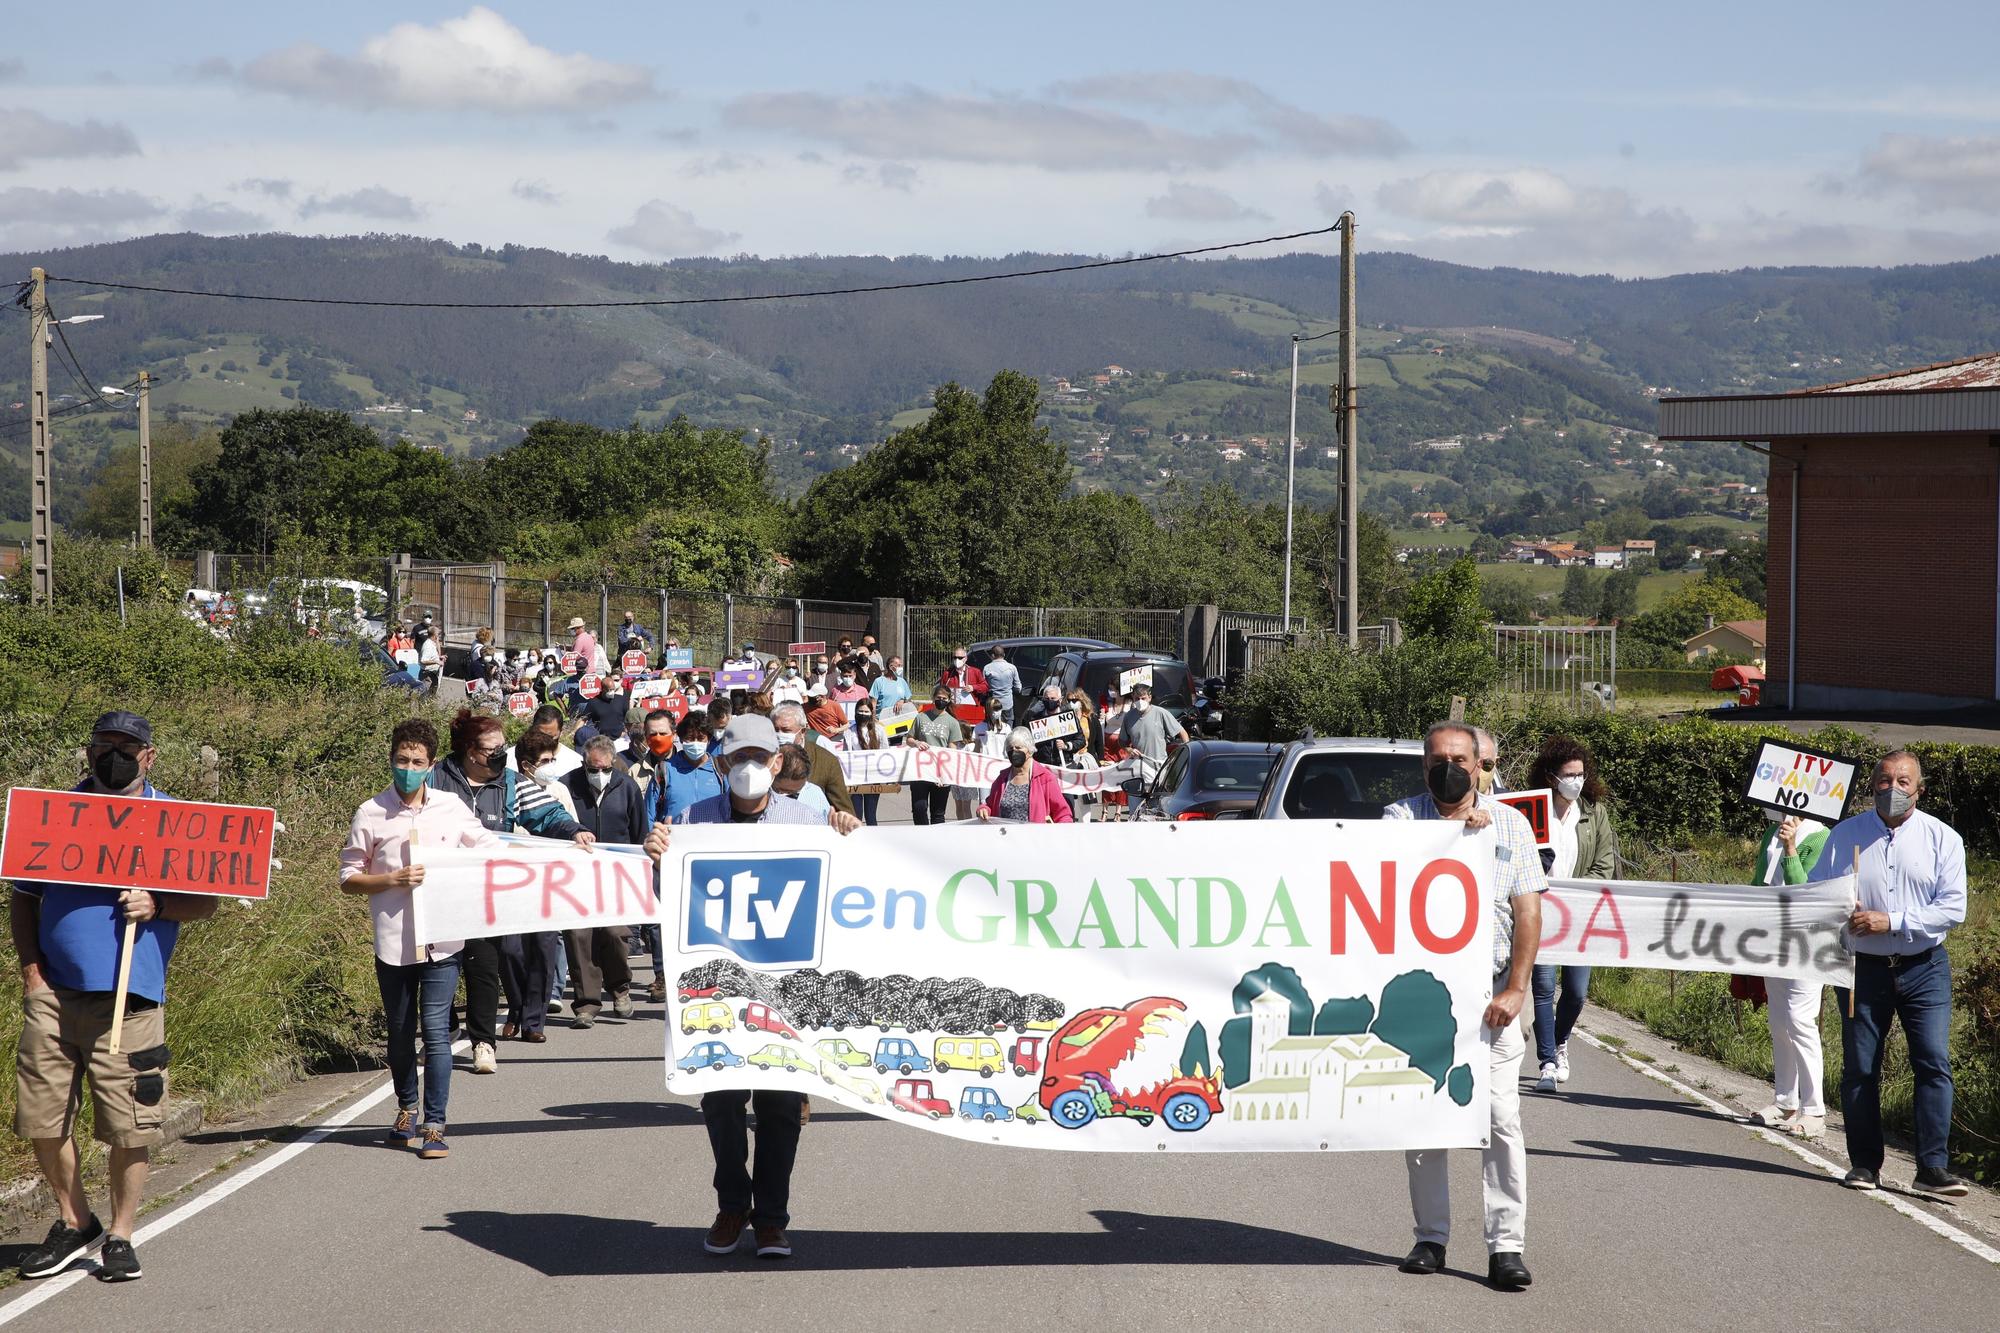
[1753,930]
[530,885]
[1123,988]
[965,768]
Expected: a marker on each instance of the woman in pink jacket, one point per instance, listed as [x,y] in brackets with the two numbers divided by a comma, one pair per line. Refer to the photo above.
[1028,792]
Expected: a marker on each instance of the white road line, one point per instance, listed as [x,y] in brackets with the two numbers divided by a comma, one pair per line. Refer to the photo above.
[1963,1239]
[50,1288]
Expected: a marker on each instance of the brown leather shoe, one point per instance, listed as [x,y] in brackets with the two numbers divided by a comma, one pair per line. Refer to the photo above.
[536,1037]
[772,1243]
[726,1234]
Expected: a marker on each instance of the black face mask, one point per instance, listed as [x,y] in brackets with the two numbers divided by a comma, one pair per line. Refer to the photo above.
[1448,782]
[114,770]
[1017,757]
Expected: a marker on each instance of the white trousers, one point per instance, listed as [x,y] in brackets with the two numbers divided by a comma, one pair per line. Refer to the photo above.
[1798,1071]
[1505,1164]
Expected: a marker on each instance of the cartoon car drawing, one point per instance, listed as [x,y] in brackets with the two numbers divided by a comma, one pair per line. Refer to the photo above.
[866,1089]
[780,1056]
[969,1053]
[914,1095]
[840,1053]
[1099,1046]
[698,992]
[1026,1055]
[711,1053]
[759,1018]
[899,1053]
[710,1014]
[982,1103]
[1030,1112]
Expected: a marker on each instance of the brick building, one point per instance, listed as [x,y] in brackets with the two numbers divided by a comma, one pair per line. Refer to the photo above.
[1884,543]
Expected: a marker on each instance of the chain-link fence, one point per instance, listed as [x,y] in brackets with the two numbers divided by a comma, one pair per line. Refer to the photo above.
[1573,666]
[931,632]
[1128,627]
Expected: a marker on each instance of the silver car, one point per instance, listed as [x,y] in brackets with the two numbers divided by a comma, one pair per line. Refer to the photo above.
[1339,777]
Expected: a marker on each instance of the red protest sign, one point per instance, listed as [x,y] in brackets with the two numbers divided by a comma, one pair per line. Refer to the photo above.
[520,703]
[569,662]
[129,842]
[1535,807]
[818,646]
[632,661]
[590,687]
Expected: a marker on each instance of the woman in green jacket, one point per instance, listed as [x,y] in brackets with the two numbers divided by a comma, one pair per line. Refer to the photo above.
[1585,846]
[1798,1070]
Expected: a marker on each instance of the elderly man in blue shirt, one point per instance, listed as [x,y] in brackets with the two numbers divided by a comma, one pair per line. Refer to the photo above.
[1911,868]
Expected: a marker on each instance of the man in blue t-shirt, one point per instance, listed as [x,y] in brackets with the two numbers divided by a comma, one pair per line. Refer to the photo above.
[68,939]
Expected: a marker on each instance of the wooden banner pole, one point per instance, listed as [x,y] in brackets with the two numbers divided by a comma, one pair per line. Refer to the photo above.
[124,986]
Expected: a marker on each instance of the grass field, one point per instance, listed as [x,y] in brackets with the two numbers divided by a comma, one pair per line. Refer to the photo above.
[916,416]
[1446,536]
[1538,579]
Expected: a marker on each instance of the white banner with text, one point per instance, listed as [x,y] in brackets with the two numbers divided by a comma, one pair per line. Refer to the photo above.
[528,885]
[966,768]
[1793,931]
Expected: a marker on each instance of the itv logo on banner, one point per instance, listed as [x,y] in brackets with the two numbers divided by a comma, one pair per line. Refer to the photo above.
[763,907]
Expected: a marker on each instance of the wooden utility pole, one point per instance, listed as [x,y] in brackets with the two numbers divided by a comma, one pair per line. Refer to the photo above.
[145,464]
[41,585]
[1350,443]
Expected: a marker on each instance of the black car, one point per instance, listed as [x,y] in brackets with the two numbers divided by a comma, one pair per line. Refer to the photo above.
[1096,673]
[1208,779]
[1030,657]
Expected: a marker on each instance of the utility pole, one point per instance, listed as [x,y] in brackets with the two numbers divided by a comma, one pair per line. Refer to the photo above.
[1291,462]
[42,579]
[145,464]
[1350,442]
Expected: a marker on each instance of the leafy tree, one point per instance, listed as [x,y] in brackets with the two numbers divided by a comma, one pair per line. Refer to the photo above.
[1508,601]
[1578,598]
[1395,692]
[111,503]
[1686,612]
[1742,566]
[1618,598]
[1445,605]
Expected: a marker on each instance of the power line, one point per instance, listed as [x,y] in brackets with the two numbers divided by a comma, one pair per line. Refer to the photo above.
[72,367]
[699,300]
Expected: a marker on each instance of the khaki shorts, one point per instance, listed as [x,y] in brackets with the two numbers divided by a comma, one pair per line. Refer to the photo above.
[66,1034]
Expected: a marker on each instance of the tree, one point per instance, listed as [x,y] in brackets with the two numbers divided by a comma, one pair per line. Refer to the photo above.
[1508,601]
[1687,612]
[1618,598]
[1741,566]
[1445,605]
[961,509]
[1578,598]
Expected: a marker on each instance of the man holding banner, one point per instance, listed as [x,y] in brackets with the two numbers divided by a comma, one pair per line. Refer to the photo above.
[1451,767]
[67,939]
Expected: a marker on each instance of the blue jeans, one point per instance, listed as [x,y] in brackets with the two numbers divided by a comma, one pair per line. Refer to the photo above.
[1555,1018]
[419,993]
[1918,993]
[864,805]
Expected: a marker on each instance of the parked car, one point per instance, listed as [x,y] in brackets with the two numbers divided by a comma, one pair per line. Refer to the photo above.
[759,1018]
[969,1053]
[1031,657]
[982,1103]
[1339,778]
[710,1054]
[780,1056]
[338,606]
[1096,673]
[710,1014]
[915,1096]
[1205,779]
[394,677]
[899,1053]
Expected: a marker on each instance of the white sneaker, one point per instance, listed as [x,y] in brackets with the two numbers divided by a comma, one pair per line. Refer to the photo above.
[1562,1062]
[1773,1116]
[1547,1082]
[484,1061]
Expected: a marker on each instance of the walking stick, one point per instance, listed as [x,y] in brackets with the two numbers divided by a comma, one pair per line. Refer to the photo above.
[124,986]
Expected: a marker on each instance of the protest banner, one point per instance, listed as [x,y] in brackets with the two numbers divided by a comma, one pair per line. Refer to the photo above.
[678,659]
[528,885]
[590,687]
[521,703]
[817,648]
[632,661]
[968,768]
[652,696]
[1052,727]
[1757,930]
[1139,675]
[739,678]
[1800,781]
[1131,988]
[1536,805]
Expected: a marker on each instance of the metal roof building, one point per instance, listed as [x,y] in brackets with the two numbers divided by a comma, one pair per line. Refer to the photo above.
[1883,571]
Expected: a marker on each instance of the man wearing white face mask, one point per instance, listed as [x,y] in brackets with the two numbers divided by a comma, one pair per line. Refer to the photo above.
[759,1197]
[789,687]
[609,804]
[1147,730]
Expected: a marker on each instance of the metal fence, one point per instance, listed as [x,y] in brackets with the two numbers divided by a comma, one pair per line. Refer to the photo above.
[1573,666]
[931,632]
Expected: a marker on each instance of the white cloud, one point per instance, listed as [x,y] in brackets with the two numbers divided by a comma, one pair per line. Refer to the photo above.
[26,134]
[1199,203]
[266,185]
[1499,198]
[28,203]
[535,192]
[478,61]
[220,218]
[371,201]
[722,164]
[1011,131]
[1333,200]
[659,228]
[887,175]
[1289,126]
[1938,173]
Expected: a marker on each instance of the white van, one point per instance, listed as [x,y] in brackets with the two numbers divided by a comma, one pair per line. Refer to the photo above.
[342,606]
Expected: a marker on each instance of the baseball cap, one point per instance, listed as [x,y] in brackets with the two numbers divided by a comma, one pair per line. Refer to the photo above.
[121,723]
[749,731]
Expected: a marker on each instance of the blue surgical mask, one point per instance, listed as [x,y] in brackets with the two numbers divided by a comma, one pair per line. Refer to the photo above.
[410,780]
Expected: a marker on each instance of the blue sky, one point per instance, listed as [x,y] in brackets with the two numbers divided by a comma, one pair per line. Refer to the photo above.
[1586,138]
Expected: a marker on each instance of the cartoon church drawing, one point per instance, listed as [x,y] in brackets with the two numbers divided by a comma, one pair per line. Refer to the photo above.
[1289,1074]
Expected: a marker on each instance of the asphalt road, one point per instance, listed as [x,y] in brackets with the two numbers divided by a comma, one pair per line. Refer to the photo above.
[577,1193]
